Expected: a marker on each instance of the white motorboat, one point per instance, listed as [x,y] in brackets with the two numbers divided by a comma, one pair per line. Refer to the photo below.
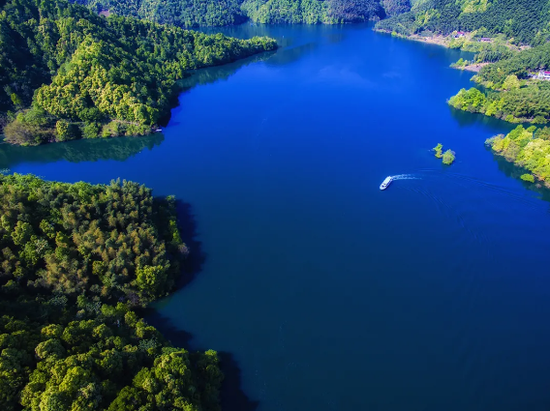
[386,183]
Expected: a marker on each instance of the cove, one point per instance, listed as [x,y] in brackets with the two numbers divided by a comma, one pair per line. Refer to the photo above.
[330,294]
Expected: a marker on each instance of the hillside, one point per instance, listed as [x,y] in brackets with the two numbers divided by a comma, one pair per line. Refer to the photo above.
[71,73]
[524,21]
[511,89]
[510,39]
[195,13]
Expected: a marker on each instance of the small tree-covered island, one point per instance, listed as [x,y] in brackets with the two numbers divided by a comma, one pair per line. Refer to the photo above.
[77,260]
[447,157]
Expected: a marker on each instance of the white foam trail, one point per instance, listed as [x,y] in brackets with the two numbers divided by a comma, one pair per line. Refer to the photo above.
[405,177]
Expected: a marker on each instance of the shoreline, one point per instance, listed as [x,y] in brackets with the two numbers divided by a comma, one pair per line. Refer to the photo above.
[437,40]
[474,68]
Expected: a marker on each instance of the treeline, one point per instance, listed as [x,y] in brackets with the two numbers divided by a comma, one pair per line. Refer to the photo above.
[527,148]
[320,11]
[524,21]
[290,11]
[519,64]
[484,52]
[195,13]
[516,104]
[182,13]
[510,92]
[103,76]
[77,259]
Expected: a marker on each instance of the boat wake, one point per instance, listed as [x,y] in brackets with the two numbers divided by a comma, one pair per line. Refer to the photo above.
[405,177]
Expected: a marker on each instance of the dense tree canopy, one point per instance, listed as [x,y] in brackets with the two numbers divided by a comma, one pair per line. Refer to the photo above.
[510,92]
[526,104]
[102,77]
[518,64]
[396,7]
[193,13]
[525,21]
[182,13]
[76,259]
[116,242]
[527,148]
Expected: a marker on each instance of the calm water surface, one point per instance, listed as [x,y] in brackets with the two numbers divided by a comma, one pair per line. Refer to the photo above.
[332,295]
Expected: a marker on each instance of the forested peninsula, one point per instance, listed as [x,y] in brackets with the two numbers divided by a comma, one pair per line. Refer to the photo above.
[527,148]
[77,261]
[68,73]
[195,13]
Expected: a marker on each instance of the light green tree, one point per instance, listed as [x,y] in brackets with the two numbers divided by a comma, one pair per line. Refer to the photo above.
[448,157]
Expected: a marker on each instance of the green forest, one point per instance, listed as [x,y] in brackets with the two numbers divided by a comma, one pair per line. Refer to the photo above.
[528,104]
[195,13]
[519,64]
[512,36]
[527,148]
[68,73]
[523,21]
[77,261]
[510,92]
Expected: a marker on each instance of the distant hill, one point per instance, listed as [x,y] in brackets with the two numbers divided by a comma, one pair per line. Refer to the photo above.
[525,21]
[195,13]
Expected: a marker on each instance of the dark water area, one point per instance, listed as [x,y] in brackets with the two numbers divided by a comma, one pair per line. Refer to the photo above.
[323,292]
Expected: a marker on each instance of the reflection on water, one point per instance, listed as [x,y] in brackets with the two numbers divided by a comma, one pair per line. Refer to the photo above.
[290,49]
[465,119]
[213,74]
[514,171]
[118,149]
[291,54]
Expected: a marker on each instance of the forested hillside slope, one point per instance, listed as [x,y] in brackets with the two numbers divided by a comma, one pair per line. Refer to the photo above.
[83,75]
[510,39]
[511,89]
[194,13]
[525,21]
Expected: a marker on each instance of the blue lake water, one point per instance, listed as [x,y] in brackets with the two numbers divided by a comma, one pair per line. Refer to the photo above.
[330,294]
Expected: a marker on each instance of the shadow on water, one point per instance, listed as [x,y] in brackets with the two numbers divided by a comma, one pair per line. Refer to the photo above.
[176,336]
[511,170]
[216,73]
[307,37]
[291,54]
[119,149]
[466,119]
[209,75]
[232,396]
[188,229]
